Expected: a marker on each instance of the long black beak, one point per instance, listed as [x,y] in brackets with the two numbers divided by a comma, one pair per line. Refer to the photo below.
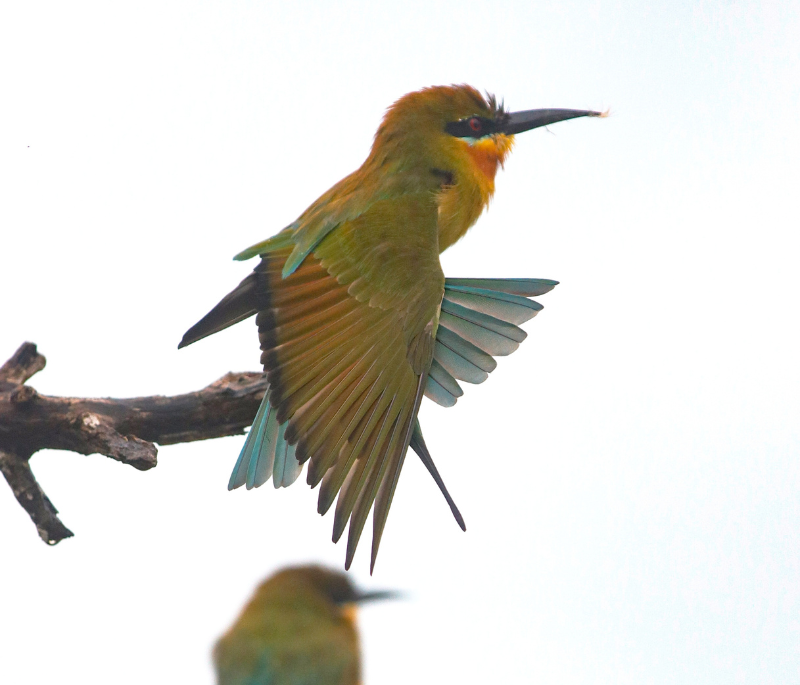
[376,595]
[517,122]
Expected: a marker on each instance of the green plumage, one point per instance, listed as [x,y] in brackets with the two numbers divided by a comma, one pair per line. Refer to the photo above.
[355,318]
[458,354]
[296,629]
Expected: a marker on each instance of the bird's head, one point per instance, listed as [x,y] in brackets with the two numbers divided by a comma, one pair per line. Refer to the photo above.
[450,139]
[320,586]
[455,133]
[338,587]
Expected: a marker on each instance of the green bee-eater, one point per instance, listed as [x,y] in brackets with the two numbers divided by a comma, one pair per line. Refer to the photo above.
[355,317]
[297,629]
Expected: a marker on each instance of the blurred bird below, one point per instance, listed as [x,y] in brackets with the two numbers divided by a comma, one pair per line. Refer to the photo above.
[356,319]
[297,629]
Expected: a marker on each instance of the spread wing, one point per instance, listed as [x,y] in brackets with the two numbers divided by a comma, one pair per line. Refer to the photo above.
[347,340]
[479,318]
[347,344]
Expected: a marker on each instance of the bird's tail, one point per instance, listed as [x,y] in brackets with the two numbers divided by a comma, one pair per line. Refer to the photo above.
[266,453]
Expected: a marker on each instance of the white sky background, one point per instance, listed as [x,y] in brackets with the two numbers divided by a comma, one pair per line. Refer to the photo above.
[629,477]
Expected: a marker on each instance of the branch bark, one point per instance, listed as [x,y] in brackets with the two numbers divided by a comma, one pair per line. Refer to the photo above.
[122,429]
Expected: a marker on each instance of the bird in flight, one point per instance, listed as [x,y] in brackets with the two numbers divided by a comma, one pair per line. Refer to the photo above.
[356,319]
[299,628]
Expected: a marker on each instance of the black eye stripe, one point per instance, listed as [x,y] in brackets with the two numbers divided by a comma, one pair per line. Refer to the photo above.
[471,127]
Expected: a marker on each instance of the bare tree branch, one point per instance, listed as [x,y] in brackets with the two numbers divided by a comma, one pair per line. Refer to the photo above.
[25,362]
[122,429]
[31,497]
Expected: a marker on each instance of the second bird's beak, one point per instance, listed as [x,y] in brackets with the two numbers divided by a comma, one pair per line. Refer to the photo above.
[517,122]
[362,597]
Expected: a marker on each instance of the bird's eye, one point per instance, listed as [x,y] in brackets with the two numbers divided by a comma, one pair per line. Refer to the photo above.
[472,127]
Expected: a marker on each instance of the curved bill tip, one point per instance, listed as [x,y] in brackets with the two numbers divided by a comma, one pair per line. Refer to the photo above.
[517,122]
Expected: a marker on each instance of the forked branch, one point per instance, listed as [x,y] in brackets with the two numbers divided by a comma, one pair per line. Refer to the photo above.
[122,429]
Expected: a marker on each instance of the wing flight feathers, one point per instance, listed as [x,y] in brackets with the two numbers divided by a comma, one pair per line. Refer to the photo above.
[342,394]
[479,321]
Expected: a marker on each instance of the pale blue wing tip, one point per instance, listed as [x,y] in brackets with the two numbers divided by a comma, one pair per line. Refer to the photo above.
[280,456]
[290,468]
[235,480]
[239,473]
[525,287]
[245,471]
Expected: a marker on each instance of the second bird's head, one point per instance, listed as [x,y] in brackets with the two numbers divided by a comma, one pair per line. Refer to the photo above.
[455,129]
[314,585]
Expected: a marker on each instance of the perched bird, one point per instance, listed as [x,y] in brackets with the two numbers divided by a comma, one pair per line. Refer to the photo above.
[356,319]
[297,629]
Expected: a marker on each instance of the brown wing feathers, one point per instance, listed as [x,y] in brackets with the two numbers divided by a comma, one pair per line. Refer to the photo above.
[339,373]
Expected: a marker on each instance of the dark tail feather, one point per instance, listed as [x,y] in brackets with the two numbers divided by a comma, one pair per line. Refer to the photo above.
[418,445]
[236,306]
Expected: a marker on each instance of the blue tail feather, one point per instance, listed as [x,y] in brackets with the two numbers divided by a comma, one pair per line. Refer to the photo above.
[258,445]
[286,467]
[293,467]
[265,457]
[280,457]
[239,475]
[265,453]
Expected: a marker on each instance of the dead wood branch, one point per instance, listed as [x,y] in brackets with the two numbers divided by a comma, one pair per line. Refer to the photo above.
[122,429]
